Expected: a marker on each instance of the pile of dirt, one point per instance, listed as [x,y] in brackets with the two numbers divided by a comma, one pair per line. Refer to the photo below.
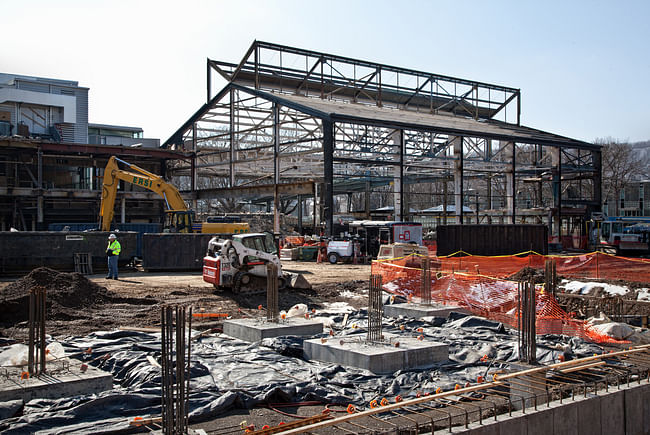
[528,273]
[65,291]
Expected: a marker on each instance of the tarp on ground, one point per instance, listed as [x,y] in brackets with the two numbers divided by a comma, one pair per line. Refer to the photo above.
[228,373]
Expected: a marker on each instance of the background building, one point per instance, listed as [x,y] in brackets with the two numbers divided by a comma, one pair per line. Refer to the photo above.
[52,159]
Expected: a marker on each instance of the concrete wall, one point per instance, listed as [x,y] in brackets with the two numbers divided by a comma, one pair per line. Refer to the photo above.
[617,412]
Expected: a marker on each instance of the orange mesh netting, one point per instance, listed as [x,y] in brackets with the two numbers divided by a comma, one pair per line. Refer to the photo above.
[477,284]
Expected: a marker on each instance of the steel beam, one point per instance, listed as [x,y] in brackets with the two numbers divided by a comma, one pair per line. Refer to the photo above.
[288,189]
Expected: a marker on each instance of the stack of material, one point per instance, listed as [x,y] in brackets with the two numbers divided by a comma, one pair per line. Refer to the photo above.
[289,254]
[300,248]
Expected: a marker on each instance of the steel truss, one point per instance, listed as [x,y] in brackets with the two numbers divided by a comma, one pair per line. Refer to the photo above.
[372,135]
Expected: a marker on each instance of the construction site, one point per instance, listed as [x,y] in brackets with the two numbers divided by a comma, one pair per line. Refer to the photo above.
[327,245]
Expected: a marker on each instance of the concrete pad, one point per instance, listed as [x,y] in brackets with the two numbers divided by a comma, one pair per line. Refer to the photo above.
[380,358]
[63,378]
[253,330]
[417,311]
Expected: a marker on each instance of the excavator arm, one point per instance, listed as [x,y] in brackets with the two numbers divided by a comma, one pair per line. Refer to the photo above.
[117,169]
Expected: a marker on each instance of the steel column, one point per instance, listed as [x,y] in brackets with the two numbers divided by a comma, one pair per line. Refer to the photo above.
[510,180]
[514,184]
[276,172]
[458,178]
[328,175]
[597,159]
[403,210]
[39,208]
[232,138]
[556,157]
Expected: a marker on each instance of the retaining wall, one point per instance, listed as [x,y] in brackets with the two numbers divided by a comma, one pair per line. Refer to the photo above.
[624,411]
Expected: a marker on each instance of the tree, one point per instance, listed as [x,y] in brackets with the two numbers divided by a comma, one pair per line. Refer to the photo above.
[622,165]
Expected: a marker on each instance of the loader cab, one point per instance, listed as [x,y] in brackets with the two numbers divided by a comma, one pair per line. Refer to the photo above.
[259,241]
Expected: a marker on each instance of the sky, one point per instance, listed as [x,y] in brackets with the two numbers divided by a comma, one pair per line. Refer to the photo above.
[582,66]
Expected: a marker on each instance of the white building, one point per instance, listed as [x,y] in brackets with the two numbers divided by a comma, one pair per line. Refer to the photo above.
[41,107]
[57,110]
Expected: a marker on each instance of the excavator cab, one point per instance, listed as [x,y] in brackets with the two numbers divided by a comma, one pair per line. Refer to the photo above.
[179,221]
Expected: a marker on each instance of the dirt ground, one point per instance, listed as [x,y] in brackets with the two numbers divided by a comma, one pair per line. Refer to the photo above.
[78,306]
[135,299]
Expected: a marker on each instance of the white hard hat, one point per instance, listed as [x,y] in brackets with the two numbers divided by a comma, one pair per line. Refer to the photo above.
[112,236]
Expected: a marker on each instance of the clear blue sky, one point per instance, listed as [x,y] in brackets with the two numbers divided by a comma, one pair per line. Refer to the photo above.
[582,66]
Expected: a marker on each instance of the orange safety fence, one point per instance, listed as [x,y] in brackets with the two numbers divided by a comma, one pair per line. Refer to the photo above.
[478,285]
[594,265]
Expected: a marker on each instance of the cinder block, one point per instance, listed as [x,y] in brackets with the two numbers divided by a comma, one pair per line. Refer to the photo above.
[64,378]
[381,358]
[253,330]
[417,311]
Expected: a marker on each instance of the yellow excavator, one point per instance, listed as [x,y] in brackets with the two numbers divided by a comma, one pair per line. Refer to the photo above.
[178,218]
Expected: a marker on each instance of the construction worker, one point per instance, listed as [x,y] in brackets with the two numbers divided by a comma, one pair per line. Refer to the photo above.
[113,252]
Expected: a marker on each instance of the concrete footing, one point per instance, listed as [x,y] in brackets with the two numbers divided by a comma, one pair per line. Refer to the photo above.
[64,378]
[395,353]
[253,330]
[418,311]
[616,412]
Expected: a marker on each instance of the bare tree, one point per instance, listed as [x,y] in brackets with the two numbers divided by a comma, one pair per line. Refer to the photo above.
[621,166]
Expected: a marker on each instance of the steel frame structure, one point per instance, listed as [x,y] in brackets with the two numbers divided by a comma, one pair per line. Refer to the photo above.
[352,133]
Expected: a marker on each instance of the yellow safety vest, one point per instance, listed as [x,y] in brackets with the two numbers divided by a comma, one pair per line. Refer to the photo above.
[115,247]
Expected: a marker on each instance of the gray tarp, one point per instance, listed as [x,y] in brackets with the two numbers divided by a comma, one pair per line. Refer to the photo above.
[230,373]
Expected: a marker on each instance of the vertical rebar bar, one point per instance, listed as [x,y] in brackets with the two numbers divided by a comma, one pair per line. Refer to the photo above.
[31,343]
[375,310]
[42,308]
[425,287]
[272,308]
[36,345]
[175,369]
[550,277]
[527,316]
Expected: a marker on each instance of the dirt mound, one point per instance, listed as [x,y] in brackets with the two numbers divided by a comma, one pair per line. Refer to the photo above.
[528,273]
[65,291]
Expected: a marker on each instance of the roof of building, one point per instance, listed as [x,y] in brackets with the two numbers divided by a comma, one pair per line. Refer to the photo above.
[401,118]
[8,79]
[115,127]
